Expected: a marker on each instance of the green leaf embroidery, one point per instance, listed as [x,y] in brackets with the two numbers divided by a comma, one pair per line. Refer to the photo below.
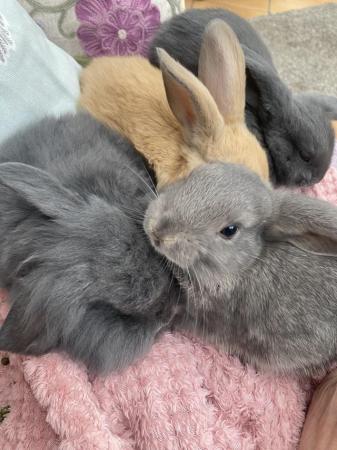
[4,411]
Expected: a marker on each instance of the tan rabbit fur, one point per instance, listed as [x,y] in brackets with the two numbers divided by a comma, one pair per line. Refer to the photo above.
[174,119]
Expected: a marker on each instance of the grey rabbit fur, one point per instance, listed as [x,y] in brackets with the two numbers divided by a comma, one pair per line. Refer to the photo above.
[259,266]
[81,273]
[295,129]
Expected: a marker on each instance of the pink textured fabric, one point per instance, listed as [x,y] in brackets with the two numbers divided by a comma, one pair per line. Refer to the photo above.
[334,157]
[182,395]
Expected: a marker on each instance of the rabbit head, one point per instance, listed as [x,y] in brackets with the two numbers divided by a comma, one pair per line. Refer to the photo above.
[213,119]
[174,119]
[75,272]
[296,128]
[209,223]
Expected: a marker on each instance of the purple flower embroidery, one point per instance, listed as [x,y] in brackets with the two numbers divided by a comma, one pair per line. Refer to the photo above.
[116,27]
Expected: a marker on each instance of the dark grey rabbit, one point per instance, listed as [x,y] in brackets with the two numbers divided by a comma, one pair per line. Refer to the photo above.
[81,273]
[294,128]
[259,266]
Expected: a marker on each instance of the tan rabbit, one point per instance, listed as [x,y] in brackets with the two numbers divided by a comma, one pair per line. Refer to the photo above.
[174,119]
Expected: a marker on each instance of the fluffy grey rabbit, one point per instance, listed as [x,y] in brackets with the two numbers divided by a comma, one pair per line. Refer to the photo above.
[295,129]
[81,273]
[259,266]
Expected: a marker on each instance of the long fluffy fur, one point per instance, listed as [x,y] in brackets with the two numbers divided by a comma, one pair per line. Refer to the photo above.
[81,274]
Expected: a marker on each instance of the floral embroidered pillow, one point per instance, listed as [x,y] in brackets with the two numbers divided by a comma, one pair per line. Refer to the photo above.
[37,78]
[87,28]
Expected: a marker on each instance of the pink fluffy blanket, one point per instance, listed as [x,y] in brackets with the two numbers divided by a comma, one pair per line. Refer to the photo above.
[182,395]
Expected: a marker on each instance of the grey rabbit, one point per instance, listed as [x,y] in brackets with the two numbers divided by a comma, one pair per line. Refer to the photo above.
[295,129]
[81,273]
[258,266]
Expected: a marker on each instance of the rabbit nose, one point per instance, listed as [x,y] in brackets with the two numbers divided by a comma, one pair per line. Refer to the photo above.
[303,179]
[158,236]
[153,230]
[161,238]
[156,239]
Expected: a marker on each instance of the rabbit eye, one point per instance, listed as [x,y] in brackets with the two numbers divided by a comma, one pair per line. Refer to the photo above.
[307,155]
[229,231]
[306,159]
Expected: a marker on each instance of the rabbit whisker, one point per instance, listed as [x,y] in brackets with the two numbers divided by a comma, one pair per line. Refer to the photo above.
[133,213]
[194,299]
[153,185]
[190,288]
[195,302]
[143,180]
[202,303]
[133,218]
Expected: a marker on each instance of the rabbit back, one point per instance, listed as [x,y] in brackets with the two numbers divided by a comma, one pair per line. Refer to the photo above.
[276,318]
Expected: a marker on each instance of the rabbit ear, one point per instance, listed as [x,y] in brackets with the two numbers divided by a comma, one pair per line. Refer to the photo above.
[222,69]
[190,101]
[37,188]
[327,102]
[307,223]
[270,87]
